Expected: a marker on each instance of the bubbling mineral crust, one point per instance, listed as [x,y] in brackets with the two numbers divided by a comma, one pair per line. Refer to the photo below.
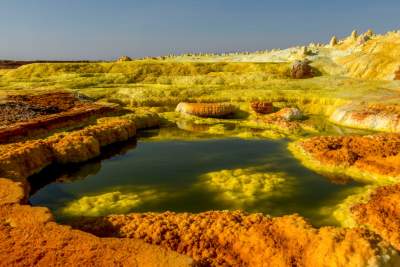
[218,238]
[206,109]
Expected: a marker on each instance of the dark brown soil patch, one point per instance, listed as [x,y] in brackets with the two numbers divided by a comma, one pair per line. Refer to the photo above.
[24,116]
[11,64]
[397,74]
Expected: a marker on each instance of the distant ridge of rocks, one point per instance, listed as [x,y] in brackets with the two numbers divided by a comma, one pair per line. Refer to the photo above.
[13,64]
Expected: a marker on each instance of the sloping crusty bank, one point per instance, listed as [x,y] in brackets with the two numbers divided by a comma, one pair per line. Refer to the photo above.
[240,239]
[377,117]
[21,160]
[27,116]
[382,213]
[372,158]
[30,237]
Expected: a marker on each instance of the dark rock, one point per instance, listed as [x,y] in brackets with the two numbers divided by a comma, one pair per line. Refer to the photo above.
[301,70]
[262,107]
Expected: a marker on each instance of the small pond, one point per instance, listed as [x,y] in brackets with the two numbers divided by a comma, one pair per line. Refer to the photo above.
[190,176]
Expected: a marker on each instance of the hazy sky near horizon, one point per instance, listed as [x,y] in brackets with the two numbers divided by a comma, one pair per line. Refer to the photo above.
[100,29]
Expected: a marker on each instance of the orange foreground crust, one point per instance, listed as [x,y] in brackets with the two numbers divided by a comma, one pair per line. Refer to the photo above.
[29,237]
[240,239]
[376,153]
[382,213]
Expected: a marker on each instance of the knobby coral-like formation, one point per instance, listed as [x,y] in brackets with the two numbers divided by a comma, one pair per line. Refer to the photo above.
[243,185]
[379,154]
[381,213]
[240,239]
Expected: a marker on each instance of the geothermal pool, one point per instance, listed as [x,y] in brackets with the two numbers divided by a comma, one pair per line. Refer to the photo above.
[191,176]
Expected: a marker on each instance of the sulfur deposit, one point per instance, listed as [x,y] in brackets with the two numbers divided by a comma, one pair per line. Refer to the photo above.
[206,109]
[244,185]
[102,204]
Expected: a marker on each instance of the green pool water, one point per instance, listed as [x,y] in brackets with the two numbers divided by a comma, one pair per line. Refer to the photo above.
[190,176]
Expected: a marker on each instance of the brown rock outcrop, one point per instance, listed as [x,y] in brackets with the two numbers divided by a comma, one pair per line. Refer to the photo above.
[206,109]
[301,70]
[240,239]
[382,213]
[262,107]
[397,74]
[289,114]
[334,41]
[124,59]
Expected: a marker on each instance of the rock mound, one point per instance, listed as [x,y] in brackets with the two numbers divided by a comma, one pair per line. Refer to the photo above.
[289,114]
[379,154]
[240,239]
[376,117]
[381,213]
[206,109]
[262,107]
[301,70]
[124,59]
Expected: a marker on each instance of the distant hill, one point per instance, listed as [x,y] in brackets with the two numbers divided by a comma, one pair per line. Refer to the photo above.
[11,64]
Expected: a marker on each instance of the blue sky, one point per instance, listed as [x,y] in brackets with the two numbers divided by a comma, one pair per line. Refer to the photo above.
[99,29]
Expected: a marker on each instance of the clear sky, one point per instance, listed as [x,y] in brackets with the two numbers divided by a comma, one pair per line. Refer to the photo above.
[100,29]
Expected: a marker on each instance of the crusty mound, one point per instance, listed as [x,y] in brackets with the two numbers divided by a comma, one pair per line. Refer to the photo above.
[382,213]
[206,109]
[375,153]
[240,239]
